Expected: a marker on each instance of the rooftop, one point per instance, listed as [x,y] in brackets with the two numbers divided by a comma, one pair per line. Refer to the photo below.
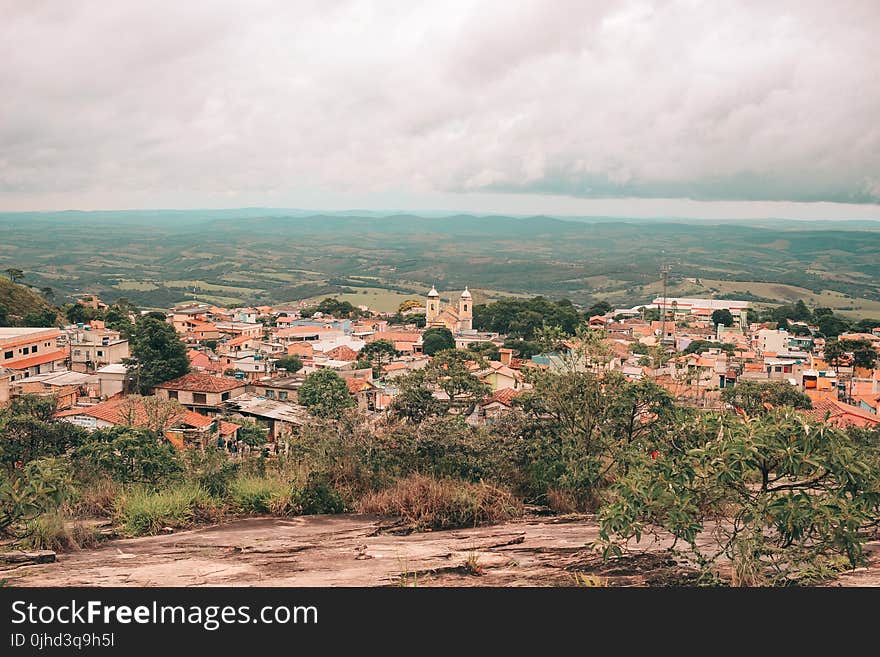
[202,383]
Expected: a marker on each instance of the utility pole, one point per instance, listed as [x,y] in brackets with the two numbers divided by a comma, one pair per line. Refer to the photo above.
[664,275]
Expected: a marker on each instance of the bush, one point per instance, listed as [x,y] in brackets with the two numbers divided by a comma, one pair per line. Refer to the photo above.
[250,495]
[97,498]
[142,511]
[319,496]
[425,503]
[212,470]
[51,531]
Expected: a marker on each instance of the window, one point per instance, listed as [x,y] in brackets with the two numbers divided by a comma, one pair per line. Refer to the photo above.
[200,398]
[8,354]
[172,394]
[282,395]
[34,349]
[100,353]
[465,307]
[77,352]
[270,394]
[224,396]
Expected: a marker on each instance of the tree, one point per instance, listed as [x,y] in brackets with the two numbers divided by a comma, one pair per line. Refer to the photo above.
[130,455]
[437,339]
[450,372]
[722,316]
[250,431]
[42,317]
[117,319]
[601,308]
[157,353]
[48,293]
[377,353]
[40,486]
[831,326]
[409,304]
[755,398]
[325,394]
[79,314]
[798,496]
[4,318]
[699,346]
[15,275]
[290,363]
[29,432]
[415,400]
[859,353]
[210,344]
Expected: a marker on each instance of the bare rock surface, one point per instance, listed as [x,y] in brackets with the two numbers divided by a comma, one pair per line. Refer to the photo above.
[352,550]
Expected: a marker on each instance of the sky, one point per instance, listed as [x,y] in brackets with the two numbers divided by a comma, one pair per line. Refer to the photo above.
[678,108]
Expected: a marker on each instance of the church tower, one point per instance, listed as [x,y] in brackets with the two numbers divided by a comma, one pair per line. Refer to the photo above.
[432,307]
[465,311]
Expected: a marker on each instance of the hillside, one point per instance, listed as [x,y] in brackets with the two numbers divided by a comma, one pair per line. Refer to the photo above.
[19,300]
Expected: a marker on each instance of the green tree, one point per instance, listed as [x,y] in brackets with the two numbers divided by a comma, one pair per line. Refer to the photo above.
[250,431]
[699,346]
[602,308]
[4,317]
[437,339]
[29,432]
[798,495]
[290,363]
[414,401]
[450,372]
[722,316]
[859,353]
[129,455]
[157,353]
[325,394]
[378,353]
[48,293]
[117,319]
[831,326]
[42,317]
[755,398]
[15,275]
[28,492]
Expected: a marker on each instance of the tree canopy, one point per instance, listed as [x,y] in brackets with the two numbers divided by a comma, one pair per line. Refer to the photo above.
[157,353]
[325,394]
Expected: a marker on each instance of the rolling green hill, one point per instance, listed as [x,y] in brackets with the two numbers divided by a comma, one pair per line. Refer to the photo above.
[19,300]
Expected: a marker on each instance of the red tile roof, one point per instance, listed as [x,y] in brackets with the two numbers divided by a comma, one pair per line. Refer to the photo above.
[841,414]
[121,410]
[342,352]
[357,385]
[504,396]
[202,383]
[41,359]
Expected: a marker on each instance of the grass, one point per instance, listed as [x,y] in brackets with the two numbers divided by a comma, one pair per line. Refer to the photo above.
[136,285]
[143,512]
[378,299]
[255,495]
[425,503]
[837,301]
[53,531]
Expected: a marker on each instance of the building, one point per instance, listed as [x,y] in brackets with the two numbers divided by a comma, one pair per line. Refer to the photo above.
[31,351]
[201,392]
[458,319]
[111,379]
[92,350]
[771,340]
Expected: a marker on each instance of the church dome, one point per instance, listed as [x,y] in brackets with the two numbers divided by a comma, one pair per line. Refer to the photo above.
[433,292]
[466,294]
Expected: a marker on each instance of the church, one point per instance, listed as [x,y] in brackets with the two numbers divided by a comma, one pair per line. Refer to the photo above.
[456,319]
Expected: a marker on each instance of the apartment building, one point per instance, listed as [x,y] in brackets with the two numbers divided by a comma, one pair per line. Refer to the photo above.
[31,351]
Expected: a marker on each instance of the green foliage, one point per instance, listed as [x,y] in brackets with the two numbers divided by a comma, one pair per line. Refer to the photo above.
[522,318]
[290,363]
[335,308]
[212,470]
[41,485]
[378,352]
[318,496]
[325,394]
[143,511]
[157,353]
[437,339]
[699,346]
[450,372]
[251,432]
[487,350]
[722,316]
[27,431]
[602,308]
[260,494]
[755,398]
[116,318]
[860,353]
[796,496]
[130,455]
[415,401]
[43,317]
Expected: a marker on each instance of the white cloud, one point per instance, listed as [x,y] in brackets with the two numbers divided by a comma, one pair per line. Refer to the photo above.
[166,103]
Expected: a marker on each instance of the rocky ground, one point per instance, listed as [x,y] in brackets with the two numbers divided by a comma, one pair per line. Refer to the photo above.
[351,550]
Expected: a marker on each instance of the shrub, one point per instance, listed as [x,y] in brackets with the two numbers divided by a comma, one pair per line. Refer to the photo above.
[97,498]
[212,470]
[51,531]
[250,494]
[319,496]
[427,503]
[143,511]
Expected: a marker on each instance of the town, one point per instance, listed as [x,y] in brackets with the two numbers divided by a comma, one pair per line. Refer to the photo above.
[252,362]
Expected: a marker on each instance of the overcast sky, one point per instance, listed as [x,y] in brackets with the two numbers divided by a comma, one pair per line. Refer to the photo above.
[632,108]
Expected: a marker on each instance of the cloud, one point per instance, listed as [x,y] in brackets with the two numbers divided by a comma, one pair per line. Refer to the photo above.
[170,101]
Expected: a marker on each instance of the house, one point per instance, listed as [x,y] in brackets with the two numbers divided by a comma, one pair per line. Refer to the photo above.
[488,411]
[284,388]
[839,414]
[92,301]
[280,418]
[201,392]
[198,360]
[458,319]
[237,329]
[365,393]
[92,350]
[31,351]
[499,376]
[180,426]
[65,386]
[111,380]
[5,386]
[406,342]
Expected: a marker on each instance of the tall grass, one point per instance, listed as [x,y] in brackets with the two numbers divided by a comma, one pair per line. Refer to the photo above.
[54,531]
[429,503]
[143,511]
[250,494]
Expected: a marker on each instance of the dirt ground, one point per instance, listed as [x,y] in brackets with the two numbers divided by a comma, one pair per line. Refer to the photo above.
[352,550]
